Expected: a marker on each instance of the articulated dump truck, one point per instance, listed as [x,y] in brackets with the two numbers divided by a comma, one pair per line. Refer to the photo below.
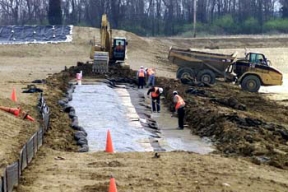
[251,72]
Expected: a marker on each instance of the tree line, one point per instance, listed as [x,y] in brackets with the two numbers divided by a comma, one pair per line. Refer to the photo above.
[154,17]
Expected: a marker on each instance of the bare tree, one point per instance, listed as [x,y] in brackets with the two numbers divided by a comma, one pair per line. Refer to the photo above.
[155,17]
[284,8]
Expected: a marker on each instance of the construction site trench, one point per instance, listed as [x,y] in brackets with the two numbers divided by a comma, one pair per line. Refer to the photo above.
[232,123]
[126,113]
[248,130]
[234,126]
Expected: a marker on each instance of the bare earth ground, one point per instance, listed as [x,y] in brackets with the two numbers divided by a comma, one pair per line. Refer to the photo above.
[173,171]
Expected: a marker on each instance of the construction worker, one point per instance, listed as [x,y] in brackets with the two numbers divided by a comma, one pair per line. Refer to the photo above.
[119,47]
[141,73]
[155,98]
[180,109]
[151,76]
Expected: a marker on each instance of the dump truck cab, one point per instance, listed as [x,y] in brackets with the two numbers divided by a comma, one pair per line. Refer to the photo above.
[255,70]
[258,58]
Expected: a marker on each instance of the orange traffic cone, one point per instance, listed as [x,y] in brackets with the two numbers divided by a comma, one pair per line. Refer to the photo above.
[13,95]
[109,144]
[28,117]
[112,186]
[14,111]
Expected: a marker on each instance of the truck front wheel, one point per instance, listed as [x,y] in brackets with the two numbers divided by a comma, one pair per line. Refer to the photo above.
[251,83]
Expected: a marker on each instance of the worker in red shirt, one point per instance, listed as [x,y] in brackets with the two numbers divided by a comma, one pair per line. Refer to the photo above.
[119,47]
[151,76]
[155,98]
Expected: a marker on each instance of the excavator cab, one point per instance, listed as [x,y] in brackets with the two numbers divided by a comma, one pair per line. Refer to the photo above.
[119,48]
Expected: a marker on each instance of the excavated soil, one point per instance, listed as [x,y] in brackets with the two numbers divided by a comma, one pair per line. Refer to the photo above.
[249,130]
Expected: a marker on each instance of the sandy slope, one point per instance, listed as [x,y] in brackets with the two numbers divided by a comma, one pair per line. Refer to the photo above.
[177,171]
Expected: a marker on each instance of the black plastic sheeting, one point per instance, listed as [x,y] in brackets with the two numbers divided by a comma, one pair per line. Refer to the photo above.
[4,182]
[1,184]
[35,34]
[24,162]
[30,150]
[12,175]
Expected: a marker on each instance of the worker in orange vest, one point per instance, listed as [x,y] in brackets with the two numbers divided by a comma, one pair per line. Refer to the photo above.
[151,76]
[141,73]
[180,109]
[155,97]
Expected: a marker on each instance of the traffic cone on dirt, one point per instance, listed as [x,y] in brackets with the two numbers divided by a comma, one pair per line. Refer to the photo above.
[13,95]
[28,117]
[14,111]
[112,186]
[109,144]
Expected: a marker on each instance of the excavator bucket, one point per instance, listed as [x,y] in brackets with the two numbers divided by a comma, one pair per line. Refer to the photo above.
[101,61]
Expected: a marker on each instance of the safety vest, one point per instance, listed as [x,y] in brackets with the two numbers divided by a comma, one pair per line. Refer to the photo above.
[180,102]
[154,93]
[141,73]
[150,72]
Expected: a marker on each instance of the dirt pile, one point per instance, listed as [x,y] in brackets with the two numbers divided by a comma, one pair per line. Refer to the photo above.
[15,131]
[238,122]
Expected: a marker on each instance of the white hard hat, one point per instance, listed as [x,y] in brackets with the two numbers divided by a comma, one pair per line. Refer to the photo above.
[175,92]
[141,67]
[160,90]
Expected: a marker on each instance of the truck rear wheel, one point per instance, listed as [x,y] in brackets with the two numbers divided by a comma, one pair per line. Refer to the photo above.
[184,72]
[251,83]
[206,76]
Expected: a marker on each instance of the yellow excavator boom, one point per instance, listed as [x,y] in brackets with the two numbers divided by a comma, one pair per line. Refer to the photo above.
[101,53]
[106,35]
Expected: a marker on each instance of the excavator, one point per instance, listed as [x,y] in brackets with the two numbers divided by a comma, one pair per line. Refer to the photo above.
[111,51]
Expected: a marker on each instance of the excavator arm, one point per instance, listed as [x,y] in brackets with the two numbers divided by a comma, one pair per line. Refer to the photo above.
[101,53]
[105,38]
[106,35]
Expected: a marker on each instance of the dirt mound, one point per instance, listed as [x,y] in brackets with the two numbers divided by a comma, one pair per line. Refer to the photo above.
[239,123]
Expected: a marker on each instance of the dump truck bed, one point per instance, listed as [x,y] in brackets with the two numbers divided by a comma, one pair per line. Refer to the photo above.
[199,60]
